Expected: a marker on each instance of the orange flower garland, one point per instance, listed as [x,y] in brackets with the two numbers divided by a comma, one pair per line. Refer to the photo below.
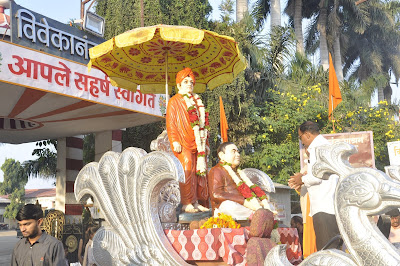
[222,221]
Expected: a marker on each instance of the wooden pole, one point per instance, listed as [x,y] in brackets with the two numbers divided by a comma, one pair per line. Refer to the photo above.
[141,14]
[83,3]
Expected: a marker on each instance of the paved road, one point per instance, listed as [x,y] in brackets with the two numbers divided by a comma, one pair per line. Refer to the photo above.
[7,241]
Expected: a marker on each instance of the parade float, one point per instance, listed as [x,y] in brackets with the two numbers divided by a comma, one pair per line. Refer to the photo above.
[136,191]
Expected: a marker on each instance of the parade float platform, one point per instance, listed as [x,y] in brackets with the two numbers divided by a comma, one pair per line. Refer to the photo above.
[225,246]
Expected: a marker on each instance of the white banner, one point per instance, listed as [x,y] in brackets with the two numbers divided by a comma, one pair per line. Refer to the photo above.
[362,140]
[37,70]
[394,152]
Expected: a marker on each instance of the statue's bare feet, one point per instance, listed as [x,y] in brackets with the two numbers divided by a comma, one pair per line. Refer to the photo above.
[189,208]
[200,207]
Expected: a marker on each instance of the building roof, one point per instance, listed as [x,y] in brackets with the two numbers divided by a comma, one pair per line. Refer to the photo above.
[4,199]
[277,185]
[40,193]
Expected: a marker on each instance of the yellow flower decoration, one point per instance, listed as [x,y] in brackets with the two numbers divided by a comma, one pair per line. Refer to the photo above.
[222,221]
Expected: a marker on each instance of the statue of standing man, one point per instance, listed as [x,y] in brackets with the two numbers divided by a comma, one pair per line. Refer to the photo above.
[187,123]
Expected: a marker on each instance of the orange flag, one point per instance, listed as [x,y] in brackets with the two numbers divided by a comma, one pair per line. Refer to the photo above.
[335,97]
[223,122]
[309,242]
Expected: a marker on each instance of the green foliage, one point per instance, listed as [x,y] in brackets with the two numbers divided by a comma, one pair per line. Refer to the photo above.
[237,110]
[276,147]
[88,148]
[226,8]
[46,163]
[193,13]
[17,202]
[13,185]
[293,101]
[86,216]
[260,12]
[278,49]
[141,136]
[236,98]
[123,15]
[14,176]
[379,119]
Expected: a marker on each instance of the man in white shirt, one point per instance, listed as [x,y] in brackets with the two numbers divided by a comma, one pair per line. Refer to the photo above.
[321,192]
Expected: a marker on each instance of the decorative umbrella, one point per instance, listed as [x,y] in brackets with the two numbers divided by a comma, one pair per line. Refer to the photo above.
[146,56]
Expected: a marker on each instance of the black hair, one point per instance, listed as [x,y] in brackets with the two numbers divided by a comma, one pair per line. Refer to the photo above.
[393,213]
[297,219]
[29,211]
[91,231]
[222,146]
[309,126]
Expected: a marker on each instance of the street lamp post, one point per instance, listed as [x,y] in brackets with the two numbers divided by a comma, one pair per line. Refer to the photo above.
[83,3]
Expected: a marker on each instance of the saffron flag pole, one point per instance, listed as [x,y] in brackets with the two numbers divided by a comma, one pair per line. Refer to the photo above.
[223,121]
[335,97]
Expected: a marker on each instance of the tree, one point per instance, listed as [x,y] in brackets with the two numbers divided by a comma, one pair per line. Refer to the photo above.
[375,48]
[363,38]
[226,8]
[294,9]
[260,12]
[278,49]
[237,100]
[124,15]
[242,7]
[321,26]
[15,179]
[141,136]
[88,148]
[46,163]
[275,13]
[297,10]
[264,7]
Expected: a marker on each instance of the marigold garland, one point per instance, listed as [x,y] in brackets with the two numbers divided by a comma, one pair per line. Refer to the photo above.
[222,221]
[199,122]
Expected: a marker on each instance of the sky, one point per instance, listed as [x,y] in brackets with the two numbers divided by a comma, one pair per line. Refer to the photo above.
[63,11]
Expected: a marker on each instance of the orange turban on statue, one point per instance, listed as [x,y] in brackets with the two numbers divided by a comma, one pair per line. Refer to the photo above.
[186,72]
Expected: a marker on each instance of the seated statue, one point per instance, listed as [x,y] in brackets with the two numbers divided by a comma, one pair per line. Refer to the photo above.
[231,191]
[187,123]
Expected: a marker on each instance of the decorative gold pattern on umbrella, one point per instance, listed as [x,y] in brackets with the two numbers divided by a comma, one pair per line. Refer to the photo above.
[141,56]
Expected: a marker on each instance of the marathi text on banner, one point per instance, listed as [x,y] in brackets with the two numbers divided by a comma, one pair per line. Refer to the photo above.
[33,69]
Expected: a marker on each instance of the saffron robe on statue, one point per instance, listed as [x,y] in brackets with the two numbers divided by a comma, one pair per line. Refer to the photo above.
[179,130]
